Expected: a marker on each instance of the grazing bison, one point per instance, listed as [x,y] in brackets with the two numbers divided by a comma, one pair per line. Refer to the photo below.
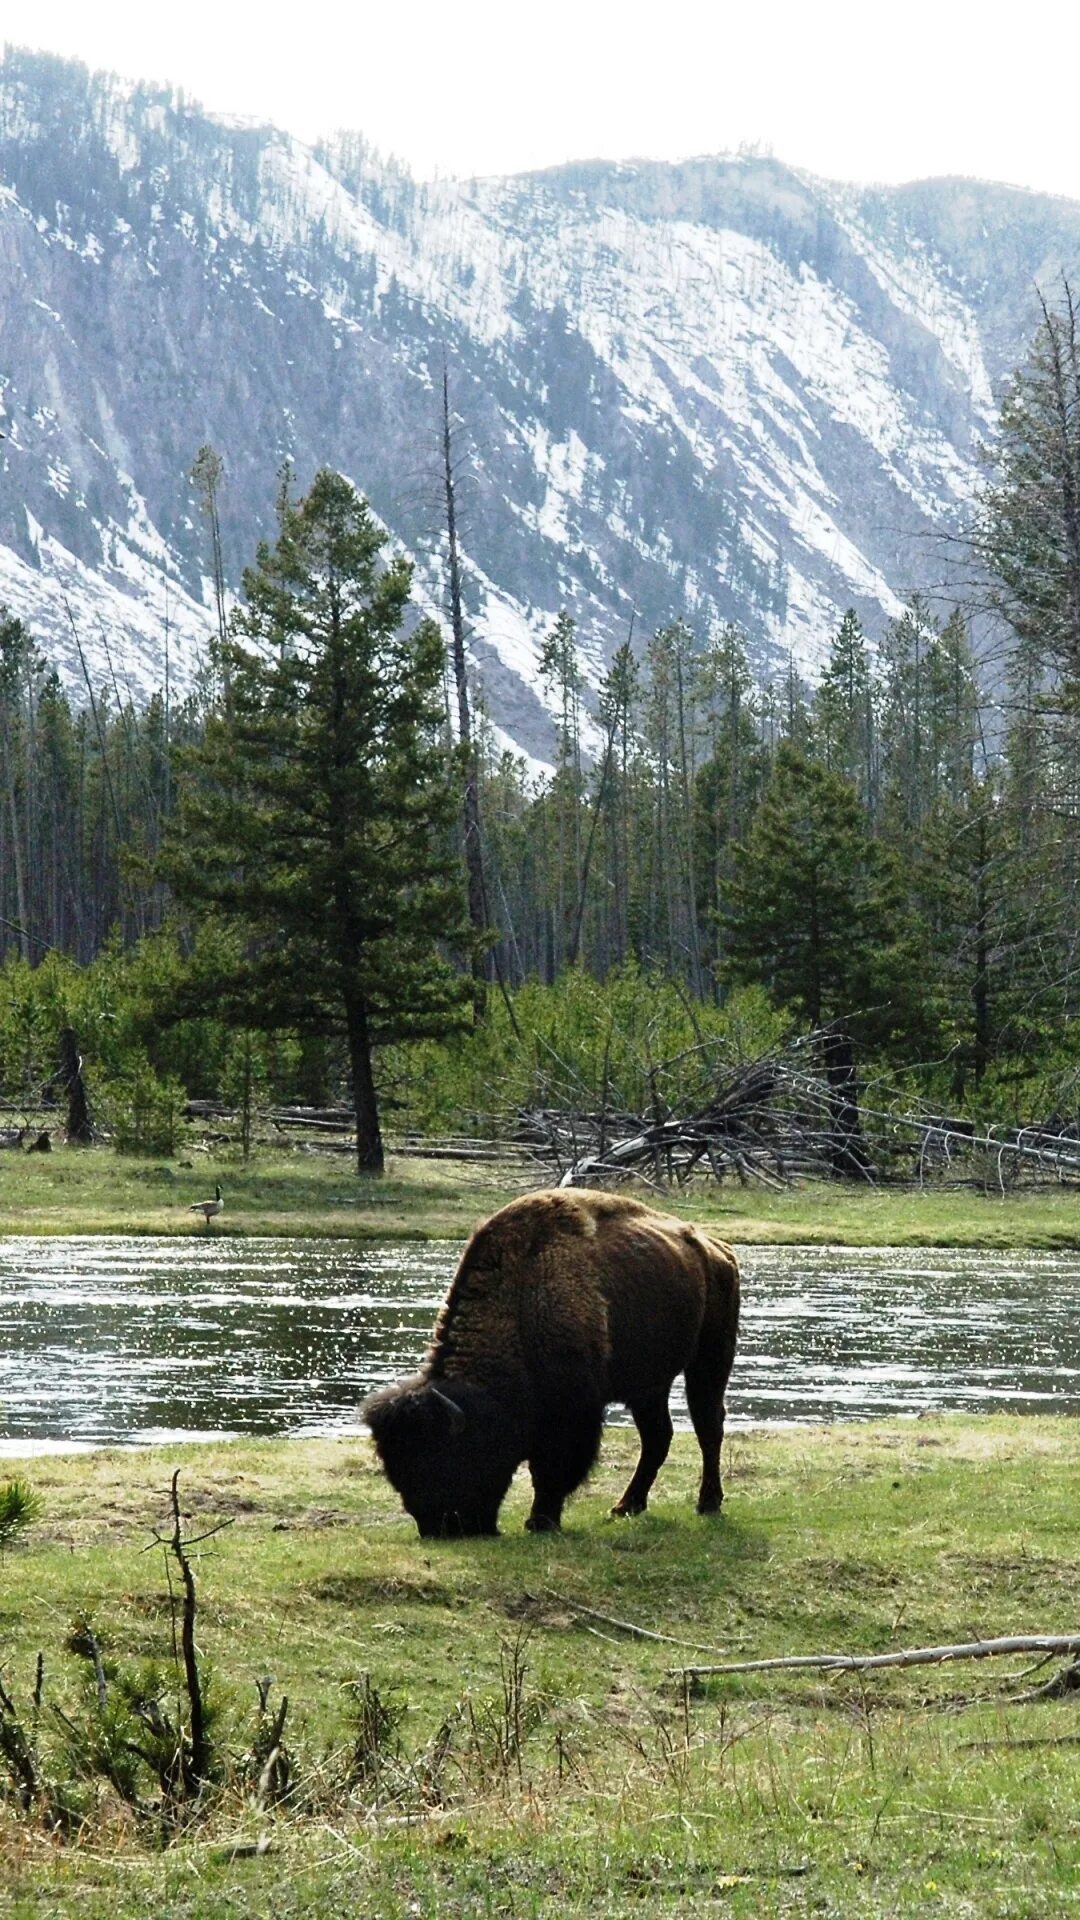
[562,1302]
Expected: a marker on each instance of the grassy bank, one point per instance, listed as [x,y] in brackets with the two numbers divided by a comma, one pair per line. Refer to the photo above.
[98,1191]
[545,1762]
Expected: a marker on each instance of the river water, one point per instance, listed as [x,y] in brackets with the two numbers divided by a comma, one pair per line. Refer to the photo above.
[137,1341]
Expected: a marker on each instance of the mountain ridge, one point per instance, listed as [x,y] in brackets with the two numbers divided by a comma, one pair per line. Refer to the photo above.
[719,389]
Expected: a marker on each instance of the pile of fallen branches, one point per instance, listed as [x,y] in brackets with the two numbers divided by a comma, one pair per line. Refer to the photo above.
[795,1113]
[789,1114]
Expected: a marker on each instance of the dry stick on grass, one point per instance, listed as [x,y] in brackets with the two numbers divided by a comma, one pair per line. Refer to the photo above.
[274,1777]
[1065,1682]
[1020,1746]
[910,1657]
[18,1752]
[636,1632]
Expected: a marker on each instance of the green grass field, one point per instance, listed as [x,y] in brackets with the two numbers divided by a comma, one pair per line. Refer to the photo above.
[296,1192]
[545,1762]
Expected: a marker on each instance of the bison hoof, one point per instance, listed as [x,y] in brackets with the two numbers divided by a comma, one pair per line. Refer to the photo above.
[710,1503]
[626,1509]
[542,1523]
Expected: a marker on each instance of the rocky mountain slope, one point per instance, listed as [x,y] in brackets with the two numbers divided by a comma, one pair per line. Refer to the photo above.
[719,390]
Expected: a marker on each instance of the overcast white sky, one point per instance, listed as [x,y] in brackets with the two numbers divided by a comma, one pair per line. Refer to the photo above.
[851,90]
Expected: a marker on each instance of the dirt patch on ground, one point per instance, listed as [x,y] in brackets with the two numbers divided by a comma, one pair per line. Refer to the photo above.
[366,1590]
[981,1442]
[844,1575]
[315,1520]
[1028,1577]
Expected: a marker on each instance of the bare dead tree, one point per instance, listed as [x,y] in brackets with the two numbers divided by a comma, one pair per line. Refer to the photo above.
[206,474]
[80,1128]
[597,812]
[470,786]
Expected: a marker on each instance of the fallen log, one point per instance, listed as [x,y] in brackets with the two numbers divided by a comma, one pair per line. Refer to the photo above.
[908,1657]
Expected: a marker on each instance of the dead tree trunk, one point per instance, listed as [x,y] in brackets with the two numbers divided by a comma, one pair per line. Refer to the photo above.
[470,799]
[80,1129]
[848,1152]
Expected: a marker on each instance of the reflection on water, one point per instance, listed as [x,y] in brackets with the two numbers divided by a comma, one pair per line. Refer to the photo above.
[137,1341]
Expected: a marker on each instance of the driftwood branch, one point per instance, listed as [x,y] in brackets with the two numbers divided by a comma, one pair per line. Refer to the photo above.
[909,1657]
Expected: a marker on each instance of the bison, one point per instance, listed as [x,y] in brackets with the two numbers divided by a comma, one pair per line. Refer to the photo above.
[562,1302]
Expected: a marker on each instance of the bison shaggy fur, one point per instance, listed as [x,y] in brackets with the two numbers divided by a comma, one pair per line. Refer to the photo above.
[563,1301]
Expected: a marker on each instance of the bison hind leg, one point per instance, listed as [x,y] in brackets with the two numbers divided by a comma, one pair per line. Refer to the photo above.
[561,1458]
[653,1422]
[705,1385]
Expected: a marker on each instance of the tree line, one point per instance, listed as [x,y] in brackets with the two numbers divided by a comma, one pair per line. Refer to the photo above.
[332,859]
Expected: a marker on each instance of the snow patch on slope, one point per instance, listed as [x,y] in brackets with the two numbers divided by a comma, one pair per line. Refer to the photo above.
[120,621]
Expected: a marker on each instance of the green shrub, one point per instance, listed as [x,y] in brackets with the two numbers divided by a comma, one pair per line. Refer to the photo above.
[624,1043]
[144,1113]
[19,1505]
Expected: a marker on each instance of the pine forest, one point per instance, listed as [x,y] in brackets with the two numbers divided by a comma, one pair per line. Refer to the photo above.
[314,880]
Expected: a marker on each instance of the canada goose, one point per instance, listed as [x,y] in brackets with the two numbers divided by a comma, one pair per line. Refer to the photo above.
[208,1208]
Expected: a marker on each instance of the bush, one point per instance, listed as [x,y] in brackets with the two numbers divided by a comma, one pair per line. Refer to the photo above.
[622,1043]
[144,1113]
[19,1505]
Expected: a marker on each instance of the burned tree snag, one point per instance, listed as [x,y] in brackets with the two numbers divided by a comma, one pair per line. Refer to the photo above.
[848,1146]
[80,1130]
[474,859]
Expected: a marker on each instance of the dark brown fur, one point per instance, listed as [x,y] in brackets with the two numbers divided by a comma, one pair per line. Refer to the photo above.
[562,1302]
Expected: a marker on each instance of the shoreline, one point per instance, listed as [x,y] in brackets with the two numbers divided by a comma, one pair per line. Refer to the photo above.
[86,1193]
[735,1428]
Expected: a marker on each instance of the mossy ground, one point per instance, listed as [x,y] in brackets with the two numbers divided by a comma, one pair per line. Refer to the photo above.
[600,1785]
[302,1193]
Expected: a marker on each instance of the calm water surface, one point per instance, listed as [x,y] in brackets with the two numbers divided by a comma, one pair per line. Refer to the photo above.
[136,1341]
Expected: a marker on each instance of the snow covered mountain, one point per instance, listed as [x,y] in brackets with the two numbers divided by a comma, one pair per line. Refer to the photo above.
[719,390]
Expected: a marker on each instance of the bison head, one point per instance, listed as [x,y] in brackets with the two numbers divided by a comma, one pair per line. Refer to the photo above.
[450,1451]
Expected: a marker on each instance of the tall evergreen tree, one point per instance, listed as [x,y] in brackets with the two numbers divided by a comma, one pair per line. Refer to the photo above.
[315,817]
[843,729]
[910,742]
[813,909]
[618,699]
[1027,532]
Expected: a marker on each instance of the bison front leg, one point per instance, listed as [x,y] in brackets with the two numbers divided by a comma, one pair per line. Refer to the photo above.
[653,1422]
[560,1460]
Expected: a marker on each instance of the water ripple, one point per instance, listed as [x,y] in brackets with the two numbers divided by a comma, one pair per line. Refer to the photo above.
[132,1341]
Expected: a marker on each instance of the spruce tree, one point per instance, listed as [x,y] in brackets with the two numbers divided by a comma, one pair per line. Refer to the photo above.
[814,910]
[315,818]
[1027,533]
[843,729]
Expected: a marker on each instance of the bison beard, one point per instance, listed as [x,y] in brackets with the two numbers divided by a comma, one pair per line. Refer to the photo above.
[563,1301]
